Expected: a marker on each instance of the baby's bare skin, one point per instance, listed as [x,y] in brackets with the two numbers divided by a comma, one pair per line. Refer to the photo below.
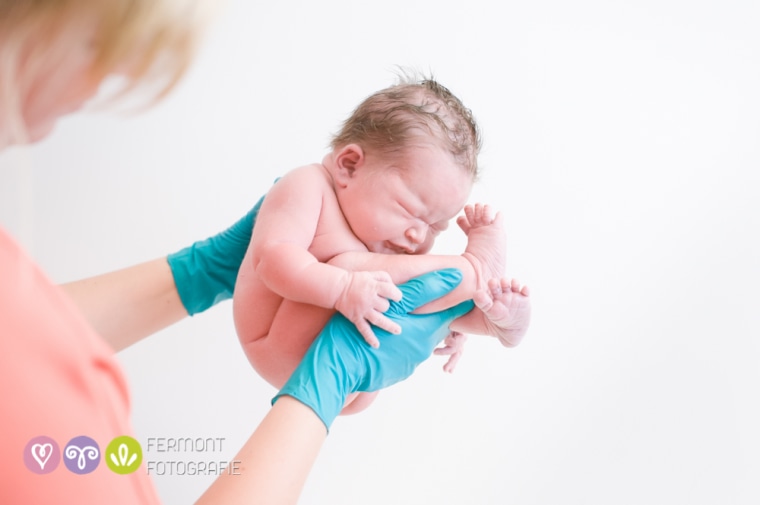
[303,245]
[486,241]
[506,305]
[273,329]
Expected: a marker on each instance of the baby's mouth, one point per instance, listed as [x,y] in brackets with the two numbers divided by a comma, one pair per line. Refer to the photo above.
[398,249]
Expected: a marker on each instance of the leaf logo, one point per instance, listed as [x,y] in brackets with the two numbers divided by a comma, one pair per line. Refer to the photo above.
[124,455]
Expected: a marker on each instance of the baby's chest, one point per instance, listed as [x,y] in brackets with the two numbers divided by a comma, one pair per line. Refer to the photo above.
[328,245]
[333,235]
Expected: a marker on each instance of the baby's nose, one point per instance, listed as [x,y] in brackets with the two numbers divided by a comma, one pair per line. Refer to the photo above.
[416,235]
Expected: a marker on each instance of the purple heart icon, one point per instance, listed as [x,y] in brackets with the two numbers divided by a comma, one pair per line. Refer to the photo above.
[42,455]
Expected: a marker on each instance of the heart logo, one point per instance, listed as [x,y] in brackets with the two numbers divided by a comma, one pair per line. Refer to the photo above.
[41,453]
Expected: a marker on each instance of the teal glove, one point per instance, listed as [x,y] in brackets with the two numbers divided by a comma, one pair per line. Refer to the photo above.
[205,273]
[340,362]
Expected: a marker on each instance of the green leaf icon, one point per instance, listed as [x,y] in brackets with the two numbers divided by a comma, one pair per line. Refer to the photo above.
[123,455]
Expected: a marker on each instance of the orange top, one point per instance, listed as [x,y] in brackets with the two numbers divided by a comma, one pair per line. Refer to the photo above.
[58,379]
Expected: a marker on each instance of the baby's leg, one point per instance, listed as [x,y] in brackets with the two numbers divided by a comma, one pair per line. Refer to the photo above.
[294,327]
[277,354]
[254,309]
[357,402]
[484,258]
[486,242]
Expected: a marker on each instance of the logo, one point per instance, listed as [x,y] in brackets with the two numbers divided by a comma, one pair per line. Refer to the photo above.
[123,455]
[42,455]
[81,455]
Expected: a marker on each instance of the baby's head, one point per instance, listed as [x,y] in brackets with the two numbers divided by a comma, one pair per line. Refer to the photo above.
[404,164]
[415,109]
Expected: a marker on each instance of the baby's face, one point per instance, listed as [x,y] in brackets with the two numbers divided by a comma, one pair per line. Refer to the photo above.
[399,206]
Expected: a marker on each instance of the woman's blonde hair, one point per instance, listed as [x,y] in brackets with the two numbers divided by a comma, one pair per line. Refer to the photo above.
[149,42]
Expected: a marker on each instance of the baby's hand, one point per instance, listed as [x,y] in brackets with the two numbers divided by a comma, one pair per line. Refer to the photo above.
[453,346]
[363,301]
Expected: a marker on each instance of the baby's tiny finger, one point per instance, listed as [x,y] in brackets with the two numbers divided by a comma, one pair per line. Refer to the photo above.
[452,362]
[382,304]
[487,213]
[384,323]
[390,291]
[368,334]
[469,212]
[463,224]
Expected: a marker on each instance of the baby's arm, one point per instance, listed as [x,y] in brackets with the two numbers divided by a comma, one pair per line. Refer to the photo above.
[402,267]
[503,306]
[483,259]
[283,234]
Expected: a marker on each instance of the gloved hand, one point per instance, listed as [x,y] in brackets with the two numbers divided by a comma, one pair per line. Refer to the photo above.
[205,272]
[340,362]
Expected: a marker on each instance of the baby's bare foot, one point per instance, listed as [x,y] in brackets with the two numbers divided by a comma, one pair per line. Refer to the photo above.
[486,242]
[506,307]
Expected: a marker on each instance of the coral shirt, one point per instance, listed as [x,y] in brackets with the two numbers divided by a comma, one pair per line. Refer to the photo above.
[58,379]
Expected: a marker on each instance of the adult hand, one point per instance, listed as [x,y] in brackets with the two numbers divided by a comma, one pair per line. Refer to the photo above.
[205,272]
[339,361]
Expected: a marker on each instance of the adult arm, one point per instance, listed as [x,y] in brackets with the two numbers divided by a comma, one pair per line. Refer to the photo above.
[127,305]
[277,458]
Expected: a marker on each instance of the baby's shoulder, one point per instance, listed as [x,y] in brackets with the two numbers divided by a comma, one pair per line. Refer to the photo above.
[307,188]
[312,177]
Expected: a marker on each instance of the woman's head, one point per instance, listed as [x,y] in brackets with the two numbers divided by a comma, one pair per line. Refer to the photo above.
[416,109]
[54,54]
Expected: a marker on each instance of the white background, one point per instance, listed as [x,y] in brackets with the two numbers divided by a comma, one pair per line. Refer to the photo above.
[621,143]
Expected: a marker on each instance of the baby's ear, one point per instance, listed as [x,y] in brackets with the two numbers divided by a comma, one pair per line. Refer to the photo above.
[348,159]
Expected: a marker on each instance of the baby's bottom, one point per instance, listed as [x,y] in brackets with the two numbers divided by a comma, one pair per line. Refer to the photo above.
[277,354]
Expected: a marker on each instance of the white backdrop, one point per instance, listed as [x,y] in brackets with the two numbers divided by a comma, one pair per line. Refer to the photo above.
[621,142]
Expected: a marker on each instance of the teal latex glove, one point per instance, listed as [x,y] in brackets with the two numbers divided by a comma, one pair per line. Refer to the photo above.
[340,362]
[205,272]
